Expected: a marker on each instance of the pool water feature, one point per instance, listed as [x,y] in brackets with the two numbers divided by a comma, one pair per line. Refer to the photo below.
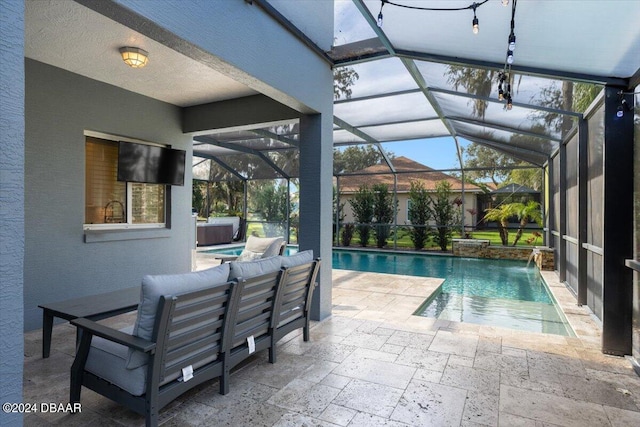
[502,293]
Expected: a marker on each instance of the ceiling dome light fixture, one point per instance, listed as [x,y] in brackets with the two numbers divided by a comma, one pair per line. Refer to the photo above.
[134,57]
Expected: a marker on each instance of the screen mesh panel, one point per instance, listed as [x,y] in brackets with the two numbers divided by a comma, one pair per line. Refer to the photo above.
[595,179]
[572,266]
[555,191]
[571,219]
[594,283]
[595,210]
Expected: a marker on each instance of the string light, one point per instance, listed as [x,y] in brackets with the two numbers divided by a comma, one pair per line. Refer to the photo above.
[473,6]
[512,41]
[505,76]
[624,105]
[474,23]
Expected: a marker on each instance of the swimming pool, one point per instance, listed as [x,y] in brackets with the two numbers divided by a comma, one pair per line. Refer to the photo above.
[501,293]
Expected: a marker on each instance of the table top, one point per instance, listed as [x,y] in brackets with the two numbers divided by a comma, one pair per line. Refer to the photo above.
[95,305]
[225,257]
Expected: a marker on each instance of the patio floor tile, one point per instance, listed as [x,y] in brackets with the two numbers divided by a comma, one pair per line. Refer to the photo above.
[367,366]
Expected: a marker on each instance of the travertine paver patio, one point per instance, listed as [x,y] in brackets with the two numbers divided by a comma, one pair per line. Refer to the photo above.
[372,363]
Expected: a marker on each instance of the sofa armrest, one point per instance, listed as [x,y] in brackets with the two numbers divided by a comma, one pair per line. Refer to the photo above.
[114,335]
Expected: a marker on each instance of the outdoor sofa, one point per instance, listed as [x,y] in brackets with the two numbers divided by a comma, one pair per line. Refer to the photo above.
[192,328]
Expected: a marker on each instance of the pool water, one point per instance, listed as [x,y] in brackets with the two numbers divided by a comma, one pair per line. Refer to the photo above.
[288,251]
[500,293]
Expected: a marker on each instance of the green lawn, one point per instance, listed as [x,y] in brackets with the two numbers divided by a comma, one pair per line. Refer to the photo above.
[404,239]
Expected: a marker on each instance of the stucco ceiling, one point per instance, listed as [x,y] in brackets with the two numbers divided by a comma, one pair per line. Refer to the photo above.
[70,36]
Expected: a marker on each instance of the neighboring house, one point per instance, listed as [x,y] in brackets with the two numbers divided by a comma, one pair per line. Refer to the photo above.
[510,193]
[380,174]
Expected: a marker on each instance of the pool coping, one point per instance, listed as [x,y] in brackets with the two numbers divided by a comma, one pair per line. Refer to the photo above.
[584,323]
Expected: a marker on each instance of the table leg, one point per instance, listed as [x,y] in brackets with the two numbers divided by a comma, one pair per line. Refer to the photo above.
[47,326]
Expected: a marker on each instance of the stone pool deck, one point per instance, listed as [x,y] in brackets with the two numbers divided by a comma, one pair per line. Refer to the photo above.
[374,364]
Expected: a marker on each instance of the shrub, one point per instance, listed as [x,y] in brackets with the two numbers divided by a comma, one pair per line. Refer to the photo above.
[444,214]
[419,214]
[347,234]
[383,211]
[362,205]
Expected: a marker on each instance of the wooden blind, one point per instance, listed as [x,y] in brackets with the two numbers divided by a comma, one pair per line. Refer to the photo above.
[105,196]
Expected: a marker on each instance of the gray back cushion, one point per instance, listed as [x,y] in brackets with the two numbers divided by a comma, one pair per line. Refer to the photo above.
[249,269]
[260,247]
[300,258]
[153,287]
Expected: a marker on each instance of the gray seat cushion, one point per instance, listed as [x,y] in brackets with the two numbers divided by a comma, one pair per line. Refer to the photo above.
[153,287]
[108,360]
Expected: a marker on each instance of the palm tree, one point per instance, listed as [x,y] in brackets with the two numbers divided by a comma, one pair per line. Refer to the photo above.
[501,215]
[526,213]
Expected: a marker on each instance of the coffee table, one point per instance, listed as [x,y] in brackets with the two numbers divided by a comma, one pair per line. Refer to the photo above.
[93,307]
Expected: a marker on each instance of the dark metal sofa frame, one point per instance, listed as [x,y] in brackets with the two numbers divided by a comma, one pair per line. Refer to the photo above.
[294,303]
[256,307]
[171,340]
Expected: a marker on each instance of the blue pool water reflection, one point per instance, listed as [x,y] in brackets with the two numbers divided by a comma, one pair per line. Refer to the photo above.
[490,292]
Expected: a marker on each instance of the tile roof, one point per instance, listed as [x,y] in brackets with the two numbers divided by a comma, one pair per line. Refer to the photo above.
[380,174]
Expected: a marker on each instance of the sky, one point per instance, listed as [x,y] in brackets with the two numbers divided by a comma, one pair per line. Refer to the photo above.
[436,153]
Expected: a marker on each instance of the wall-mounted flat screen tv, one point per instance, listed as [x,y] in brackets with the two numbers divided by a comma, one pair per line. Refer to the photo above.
[150,164]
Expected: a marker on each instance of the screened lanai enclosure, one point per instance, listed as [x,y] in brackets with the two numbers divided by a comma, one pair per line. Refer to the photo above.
[416,81]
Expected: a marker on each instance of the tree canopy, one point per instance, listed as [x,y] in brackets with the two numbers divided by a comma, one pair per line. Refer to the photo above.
[490,160]
[357,157]
[343,79]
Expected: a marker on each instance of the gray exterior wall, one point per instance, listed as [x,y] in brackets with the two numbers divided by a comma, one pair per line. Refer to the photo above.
[11,204]
[59,265]
[247,44]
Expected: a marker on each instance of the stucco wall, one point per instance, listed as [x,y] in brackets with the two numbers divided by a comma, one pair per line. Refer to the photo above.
[59,265]
[11,205]
[242,41]
[249,46]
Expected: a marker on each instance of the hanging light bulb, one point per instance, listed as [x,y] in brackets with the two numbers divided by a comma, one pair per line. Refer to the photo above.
[380,19]
[500,94]
[510,57]
[512,42]
[475,21]
[505,3]
[509,103]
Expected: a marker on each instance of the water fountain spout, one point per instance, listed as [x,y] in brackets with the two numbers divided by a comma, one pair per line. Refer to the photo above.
[534,254]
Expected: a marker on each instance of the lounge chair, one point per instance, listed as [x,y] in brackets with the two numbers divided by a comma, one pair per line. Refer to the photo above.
[257,248]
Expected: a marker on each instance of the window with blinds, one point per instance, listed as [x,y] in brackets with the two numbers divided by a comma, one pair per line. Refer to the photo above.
[109,202]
